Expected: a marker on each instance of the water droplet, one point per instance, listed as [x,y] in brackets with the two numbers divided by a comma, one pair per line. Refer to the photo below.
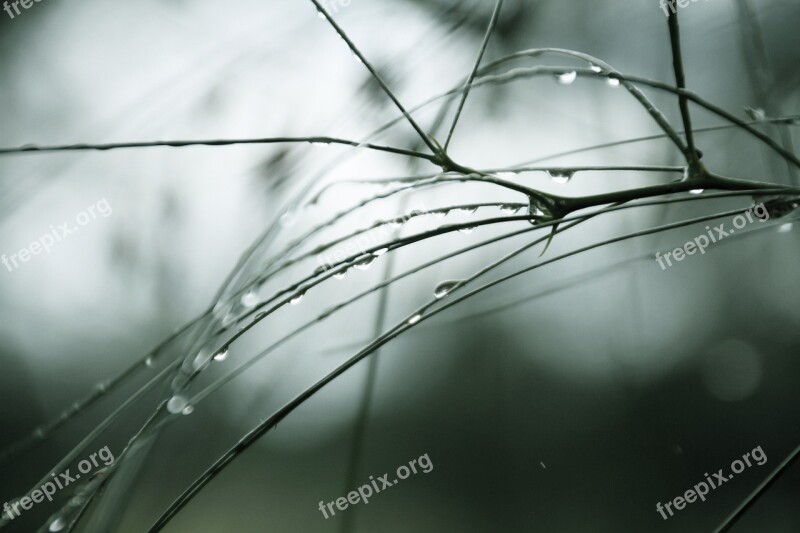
[696,191]
[320,14]
[249,299]
[445,288]
[221,355]
[288,218]
[507,175]
[509,208]
[177,404]
[341,274]
[101,387]
[758,115]
[441,213]
[468,210]
[613,82]
[365,263]
[297,298]
[148,362]
[538,211]
[595,68]
[561,176]
[414,319]
[567,78]
[57,524]
[189,409]
[543,465]
[378,253]
[785,228]
[397,222]
[468,230]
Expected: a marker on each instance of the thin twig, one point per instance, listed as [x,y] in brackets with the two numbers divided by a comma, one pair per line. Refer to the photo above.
[468,85]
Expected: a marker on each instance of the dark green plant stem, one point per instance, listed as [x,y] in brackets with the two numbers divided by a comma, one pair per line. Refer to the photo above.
[680,80]
[211,142]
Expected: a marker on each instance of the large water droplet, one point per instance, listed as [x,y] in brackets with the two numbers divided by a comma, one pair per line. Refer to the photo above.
[538,211]
[414,319]
[365,263]
[561,176]
[221,355]
[567,78]
[467,230]
[177,404]
[57,524]
[696,191]
[297,298]
[445,288]
[341,274]
[595,68]
[509,208]
[613,82]
[249,299]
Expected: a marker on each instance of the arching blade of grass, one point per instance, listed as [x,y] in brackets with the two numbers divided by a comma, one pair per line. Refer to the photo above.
[424,313]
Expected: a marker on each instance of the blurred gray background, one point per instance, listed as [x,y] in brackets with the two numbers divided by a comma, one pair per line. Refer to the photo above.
[572,398]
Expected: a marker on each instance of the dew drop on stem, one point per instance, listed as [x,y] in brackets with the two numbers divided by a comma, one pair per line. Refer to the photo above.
[249,299]
[378,253]
[177,404]
[57,524]
[445,288]
[365,263]
[221,355]
[414,319]
[467,230]
[509,208]
[297,298]
[566,78]
[561,176]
